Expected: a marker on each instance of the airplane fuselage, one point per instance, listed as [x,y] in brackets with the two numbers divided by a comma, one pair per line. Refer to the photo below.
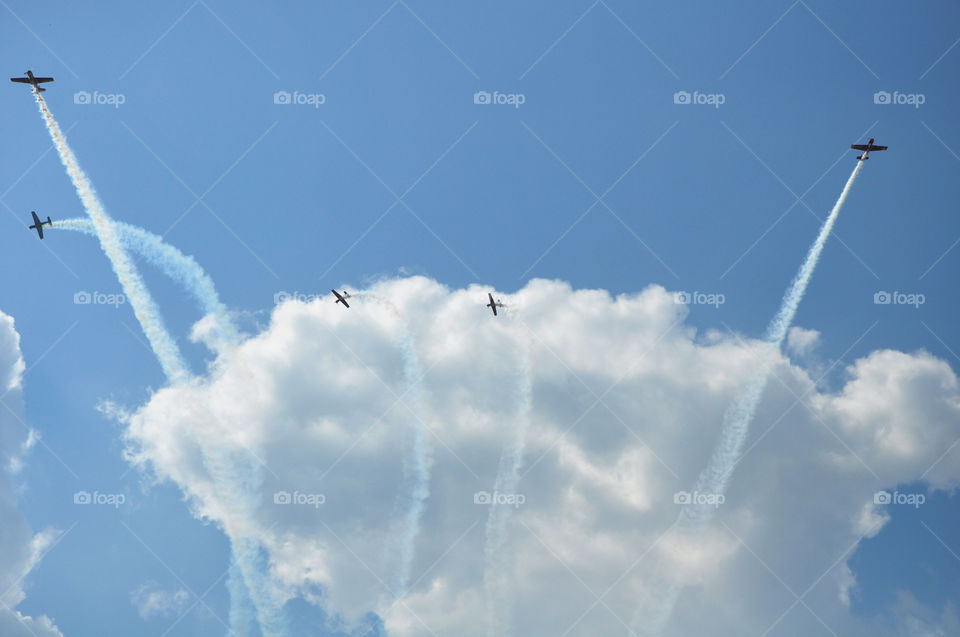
[38,225]
[866,148]
[32,80]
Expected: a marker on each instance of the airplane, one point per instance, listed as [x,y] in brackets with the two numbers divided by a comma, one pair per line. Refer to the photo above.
[493,306]
[341,298]
[33,81]
[38,225]
[866,148]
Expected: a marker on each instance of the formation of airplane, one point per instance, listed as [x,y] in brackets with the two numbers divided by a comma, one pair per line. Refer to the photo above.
[38,225]
[494,305]
[866,148]
[32,80]
[35,82]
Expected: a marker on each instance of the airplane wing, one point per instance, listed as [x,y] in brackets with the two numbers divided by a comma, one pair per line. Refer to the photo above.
[40,231]
[22,80]
[43,79]
[494,308]
[874,147]
[861,147]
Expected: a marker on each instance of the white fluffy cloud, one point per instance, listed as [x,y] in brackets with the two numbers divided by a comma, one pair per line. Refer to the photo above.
[302,439]
[21,548]
[802,341]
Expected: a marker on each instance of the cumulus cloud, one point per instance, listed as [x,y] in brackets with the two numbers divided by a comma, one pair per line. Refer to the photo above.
[801,341]
[300,440]
[22,548]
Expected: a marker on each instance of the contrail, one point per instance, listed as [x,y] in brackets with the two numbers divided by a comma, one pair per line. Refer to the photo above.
[420,462]
[243,620]
[262,596]
[496,577]
[246,553]
[143,305]
[237,478]
[172,262]
[656,608]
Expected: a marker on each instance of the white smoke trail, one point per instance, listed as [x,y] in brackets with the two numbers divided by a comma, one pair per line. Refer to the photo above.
[246,553]
[496,577]
[420,462]
[243,621]
[261,593]
[142,303]
[656,608]
[178,266]
[235,472]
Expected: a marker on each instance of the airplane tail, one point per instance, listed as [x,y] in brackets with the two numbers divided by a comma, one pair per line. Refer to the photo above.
[41,89]
[49,222]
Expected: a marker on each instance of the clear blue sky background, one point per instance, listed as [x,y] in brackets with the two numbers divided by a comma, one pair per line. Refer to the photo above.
[287,189]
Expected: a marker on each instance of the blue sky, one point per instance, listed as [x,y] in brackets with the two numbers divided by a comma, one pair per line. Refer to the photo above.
[599,178]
